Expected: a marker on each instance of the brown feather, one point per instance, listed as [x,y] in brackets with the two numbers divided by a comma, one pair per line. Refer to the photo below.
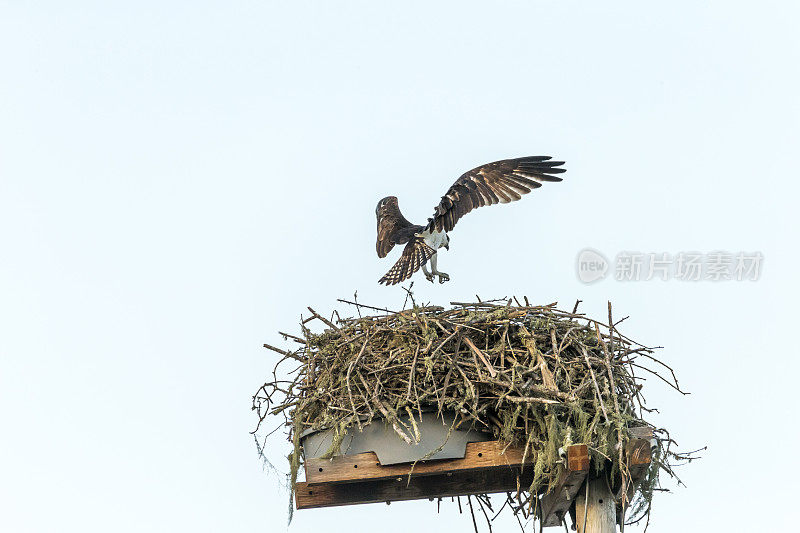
[499,182]
[415,254]
[390,223]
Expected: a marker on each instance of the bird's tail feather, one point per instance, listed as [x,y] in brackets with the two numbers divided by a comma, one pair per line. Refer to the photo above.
[415,254]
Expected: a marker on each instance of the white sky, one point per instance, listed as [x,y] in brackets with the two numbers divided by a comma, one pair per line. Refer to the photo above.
[178,182]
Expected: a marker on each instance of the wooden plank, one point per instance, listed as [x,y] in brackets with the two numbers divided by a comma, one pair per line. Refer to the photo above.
[463,483]
[557,502]
[578,458]
[645,432]
[639,457]
[638,453]
[366,467]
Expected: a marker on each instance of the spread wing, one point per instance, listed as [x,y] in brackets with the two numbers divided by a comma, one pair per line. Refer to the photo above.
[499,182]
[414,256]
[391,222]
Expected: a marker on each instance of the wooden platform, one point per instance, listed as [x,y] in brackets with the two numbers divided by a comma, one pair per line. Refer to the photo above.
[366,467]
[487,467]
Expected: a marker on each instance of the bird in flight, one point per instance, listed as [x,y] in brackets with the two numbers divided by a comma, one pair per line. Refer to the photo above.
[499,182]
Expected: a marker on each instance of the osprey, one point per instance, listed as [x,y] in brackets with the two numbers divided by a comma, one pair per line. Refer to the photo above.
[499,182]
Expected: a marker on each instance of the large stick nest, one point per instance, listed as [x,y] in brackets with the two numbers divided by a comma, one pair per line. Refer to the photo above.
[534,376]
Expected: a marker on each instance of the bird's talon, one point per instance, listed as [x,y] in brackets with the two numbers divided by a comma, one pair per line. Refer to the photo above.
[443,278]
[429,277]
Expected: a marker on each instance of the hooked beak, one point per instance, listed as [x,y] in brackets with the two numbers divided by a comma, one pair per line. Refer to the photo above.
[447,247]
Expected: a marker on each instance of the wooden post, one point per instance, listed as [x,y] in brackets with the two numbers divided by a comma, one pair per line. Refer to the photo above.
[601,515]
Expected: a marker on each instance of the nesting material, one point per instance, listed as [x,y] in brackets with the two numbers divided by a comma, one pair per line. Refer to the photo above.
[534,376]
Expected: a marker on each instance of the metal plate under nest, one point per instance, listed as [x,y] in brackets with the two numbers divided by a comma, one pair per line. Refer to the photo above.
[380,438]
